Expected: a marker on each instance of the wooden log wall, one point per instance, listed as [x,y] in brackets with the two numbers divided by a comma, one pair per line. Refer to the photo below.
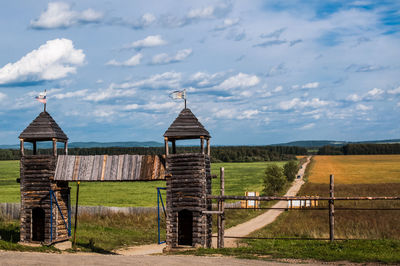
[36,175]
[188,182]
[110,168]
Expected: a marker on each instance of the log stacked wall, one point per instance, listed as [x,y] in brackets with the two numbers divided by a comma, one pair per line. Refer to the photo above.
[36,174]
[187,186]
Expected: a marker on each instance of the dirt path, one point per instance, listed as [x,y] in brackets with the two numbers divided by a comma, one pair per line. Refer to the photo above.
[264,219]
[36,258]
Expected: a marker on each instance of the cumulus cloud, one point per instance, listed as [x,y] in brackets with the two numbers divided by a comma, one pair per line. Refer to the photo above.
[53,60]
[149,41]
[248,114]
[133,61]
[374,93]
[60,15]
[354,98]
[297,103]
[240,80]
[208,12]
[311,85]
[164,58]
[394,91]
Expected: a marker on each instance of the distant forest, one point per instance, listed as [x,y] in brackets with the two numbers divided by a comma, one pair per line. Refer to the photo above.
[218,153]
[360,149]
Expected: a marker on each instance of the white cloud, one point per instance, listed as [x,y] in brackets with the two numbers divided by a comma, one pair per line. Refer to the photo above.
[248,114]
[166,59]
[394,91]
[296,103]
[60,15]
[374,93]
[311,85]
[362,107]
[148,19]
[354,98]
[307,126]
[241,80]
[149,41]
[53,60]
[206,12]
[2,96]
[109,93]
[133,61]
[225,113]
[227,23]
[278,89]
[164,80]
[72,94]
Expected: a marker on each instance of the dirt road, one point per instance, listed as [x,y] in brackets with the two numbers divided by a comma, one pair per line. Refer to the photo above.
[264,219]
[31,258]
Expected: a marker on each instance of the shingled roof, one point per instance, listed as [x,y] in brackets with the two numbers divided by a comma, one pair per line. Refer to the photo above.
[43,128]
[186,126]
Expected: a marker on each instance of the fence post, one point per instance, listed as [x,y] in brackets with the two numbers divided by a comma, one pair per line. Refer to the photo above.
[331,209]
[222,209]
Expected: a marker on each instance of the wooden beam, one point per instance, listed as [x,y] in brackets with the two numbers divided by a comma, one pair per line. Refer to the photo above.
[166,146]
[21,147]
[173,146]
[66,147]
[54,147]
[202,144]
[76,213]
[208,147]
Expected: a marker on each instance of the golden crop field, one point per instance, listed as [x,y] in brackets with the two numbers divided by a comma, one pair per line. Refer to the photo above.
[356,169]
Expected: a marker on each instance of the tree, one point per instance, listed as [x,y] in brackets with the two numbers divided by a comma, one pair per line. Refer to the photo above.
[290,170]
[274,180]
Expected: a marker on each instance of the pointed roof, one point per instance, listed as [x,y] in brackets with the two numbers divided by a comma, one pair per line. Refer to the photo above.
[186,126]
[43,128]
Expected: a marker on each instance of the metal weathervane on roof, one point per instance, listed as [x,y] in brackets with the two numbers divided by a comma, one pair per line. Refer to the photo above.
[42,98]
[179,95]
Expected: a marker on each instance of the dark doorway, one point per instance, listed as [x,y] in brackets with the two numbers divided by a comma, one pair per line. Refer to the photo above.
[185,227]
[38,222]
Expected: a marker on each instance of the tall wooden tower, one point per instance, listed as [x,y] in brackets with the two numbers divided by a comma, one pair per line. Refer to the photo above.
[188,182]
[45,204]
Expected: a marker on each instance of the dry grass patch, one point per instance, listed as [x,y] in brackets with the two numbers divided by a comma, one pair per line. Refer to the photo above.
[356,169]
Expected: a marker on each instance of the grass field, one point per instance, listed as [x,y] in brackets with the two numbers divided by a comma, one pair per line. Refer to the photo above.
[356,169]
[239,177]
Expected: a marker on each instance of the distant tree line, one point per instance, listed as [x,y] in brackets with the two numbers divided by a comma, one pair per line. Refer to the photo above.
[360,149]
[218,153]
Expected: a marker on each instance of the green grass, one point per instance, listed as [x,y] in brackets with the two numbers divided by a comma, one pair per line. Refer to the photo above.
[9,188]
[239,177]
[386,251]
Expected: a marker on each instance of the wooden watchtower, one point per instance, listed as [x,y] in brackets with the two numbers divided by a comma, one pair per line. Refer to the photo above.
[45,204]
[188,182]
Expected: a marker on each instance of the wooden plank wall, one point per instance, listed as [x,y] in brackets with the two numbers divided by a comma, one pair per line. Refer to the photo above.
[187,186]
[110,168]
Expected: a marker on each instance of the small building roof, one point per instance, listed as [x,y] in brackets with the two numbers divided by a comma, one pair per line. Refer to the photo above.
[186,126]
[43,128]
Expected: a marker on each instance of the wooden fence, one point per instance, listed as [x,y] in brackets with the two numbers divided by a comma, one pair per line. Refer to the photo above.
[331,203]
[11,210]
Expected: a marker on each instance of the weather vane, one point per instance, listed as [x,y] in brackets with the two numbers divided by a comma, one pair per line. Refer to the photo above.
[179,95]
[42,98]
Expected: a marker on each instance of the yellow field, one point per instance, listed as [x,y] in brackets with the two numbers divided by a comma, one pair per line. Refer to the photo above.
[356,169]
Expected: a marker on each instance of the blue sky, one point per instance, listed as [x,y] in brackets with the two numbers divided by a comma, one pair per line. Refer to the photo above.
[256,72]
